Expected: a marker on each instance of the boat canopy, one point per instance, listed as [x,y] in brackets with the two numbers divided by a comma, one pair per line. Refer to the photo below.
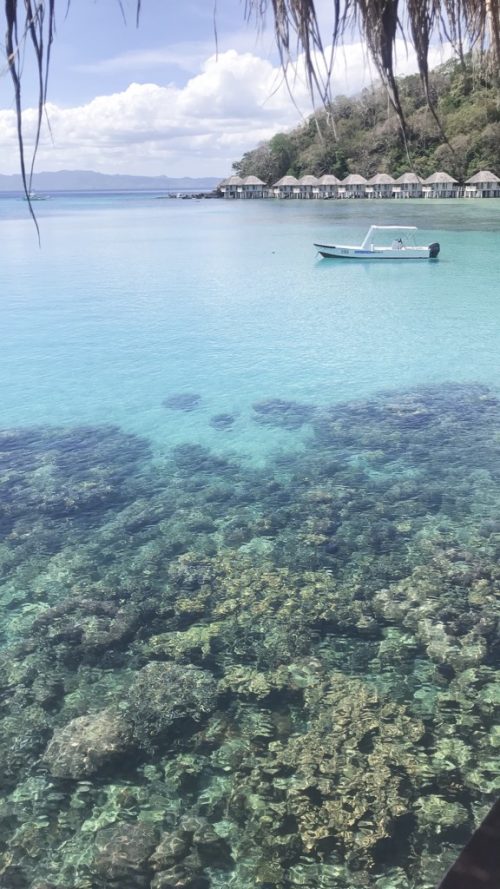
[373,228]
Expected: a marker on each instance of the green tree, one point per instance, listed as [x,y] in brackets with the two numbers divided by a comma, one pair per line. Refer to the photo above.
[31,25]
[369,139]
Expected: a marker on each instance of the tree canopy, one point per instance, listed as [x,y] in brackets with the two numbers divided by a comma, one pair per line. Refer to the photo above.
[368,140]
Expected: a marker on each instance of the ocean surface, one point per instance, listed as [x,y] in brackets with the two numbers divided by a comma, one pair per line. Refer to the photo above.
[250,516]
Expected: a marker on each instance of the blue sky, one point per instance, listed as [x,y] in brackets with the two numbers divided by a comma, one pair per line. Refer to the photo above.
[98,47]
[156,99]
[102,52]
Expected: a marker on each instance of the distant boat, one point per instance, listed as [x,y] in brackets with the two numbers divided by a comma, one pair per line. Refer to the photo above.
[33,196]
[402,247]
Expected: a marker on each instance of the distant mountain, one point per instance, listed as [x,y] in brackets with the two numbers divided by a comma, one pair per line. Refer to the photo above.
[88,180]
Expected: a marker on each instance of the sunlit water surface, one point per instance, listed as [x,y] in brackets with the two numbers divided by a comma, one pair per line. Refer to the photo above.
[131,299]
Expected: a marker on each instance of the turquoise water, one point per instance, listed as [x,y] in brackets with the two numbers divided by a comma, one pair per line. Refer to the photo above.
[131,299]
[250,518]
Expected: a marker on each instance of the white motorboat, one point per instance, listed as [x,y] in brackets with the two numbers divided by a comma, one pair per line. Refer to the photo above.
[33,196]
[402,246]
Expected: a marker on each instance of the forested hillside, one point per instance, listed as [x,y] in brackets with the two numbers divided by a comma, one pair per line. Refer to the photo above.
[366,137]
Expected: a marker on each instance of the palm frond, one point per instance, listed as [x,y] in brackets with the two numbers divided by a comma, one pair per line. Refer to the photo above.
[467,24]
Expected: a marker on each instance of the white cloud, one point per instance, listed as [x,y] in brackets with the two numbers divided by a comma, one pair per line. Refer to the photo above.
[236,101]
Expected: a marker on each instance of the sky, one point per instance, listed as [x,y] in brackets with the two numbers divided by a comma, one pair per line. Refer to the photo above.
[168,97]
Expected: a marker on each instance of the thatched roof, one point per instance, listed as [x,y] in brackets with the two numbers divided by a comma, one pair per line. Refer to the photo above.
[286,180]
[483,176]
[308,180]
[409,179]
[354,179]
[382,179]
[329,179]
[439,177]
[30,30]
[234,180]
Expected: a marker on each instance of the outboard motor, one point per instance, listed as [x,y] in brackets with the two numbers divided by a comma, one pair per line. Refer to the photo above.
[434,250]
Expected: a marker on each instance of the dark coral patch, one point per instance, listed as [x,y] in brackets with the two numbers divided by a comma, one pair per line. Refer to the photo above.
[122,854]
[287,414]
[182,401]
[222,421]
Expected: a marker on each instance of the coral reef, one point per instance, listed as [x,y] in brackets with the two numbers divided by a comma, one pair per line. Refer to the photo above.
[87,744]
[277,412]
[122,854]
[182,401]
[215,675]
[166,697]
[222,421]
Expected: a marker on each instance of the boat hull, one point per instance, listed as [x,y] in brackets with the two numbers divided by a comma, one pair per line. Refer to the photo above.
[344,252]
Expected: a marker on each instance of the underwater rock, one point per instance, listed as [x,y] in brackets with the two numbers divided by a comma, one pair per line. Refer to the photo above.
[43,884]
[210,847]
[165,696]
[195,645]
[182,876]
[222,421]
[55,481]
[237,531]
[13,876]
[181,856]
[25,732]
[345,597]
[173,847]
[201,524]
[213,850]
[182,401]
[48,690]
[346,769]
[83,629]
[287,414]
[435,814]
[194,458]
[123,852]
[88,743]
[191,572]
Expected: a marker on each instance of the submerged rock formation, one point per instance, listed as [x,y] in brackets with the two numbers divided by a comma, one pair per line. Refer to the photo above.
[87,743]
[285,676]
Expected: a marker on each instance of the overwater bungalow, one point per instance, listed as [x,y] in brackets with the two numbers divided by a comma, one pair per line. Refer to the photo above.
[408,185]
[484,184]
[380,186]
[353,186]
[328,186]
[440,185]
[232,187]
[253,187]
[308,186]
[286,187]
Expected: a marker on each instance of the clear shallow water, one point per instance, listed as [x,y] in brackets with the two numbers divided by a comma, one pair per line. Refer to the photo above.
[270,657]
[131,299]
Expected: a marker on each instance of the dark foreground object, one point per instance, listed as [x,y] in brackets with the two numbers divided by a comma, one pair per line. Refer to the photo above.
[478,865]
